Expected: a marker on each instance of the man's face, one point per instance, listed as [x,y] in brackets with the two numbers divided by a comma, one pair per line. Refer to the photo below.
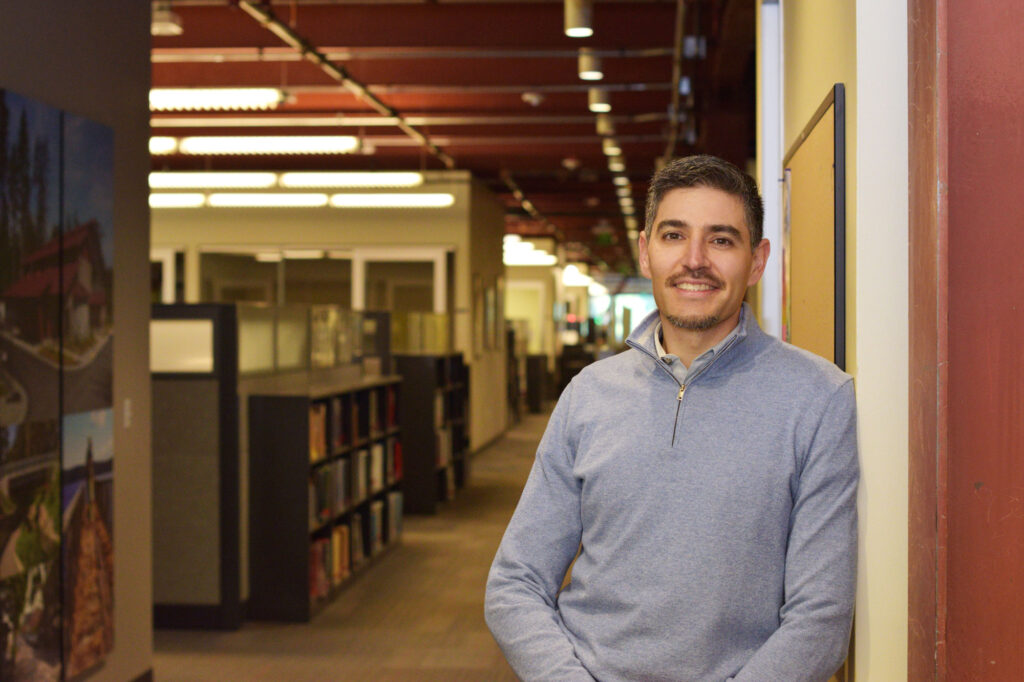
[699,258]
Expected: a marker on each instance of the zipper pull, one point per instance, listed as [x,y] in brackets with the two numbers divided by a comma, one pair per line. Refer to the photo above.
[682,390]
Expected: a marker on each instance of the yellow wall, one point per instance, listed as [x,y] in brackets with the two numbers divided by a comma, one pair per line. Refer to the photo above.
[865,41]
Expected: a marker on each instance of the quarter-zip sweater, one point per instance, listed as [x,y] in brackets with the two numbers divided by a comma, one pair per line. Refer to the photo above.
[726,553]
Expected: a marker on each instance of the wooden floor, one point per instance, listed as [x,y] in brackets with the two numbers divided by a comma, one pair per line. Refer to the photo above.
[416,615]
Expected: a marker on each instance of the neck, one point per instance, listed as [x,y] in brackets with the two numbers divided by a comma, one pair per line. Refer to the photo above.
[688,344]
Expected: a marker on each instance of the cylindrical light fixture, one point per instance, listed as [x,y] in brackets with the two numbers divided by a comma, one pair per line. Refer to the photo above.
[589,65]
[616,164]
[605,125]
[611,147]
[597,100]
[577,18]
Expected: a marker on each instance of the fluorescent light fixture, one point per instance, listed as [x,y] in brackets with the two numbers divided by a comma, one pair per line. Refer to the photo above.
[573,277]
[165,180]
[604,124]
[177,200]
[626,201]
[577,18]
[163,99]
[596,289]
[530,258]
[256,200]
[623,191]
[611,147]
[620,180]
[589,65]
[162,145]
[268,257]
[340,254]
[303,254]
[269,144]
[597,101]
[616,164]
[518,247]
[511,239]
[352,179]
[384,200]
[631,223]
[164,22]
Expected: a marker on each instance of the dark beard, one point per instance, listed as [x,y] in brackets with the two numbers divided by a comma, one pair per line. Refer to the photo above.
[693,324]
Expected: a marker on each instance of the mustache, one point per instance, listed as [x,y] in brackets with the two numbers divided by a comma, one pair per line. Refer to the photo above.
[699,275]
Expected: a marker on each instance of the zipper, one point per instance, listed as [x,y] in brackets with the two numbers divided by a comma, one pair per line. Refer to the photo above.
[679,401]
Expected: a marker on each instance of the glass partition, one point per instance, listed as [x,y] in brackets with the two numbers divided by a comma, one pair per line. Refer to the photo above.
[418,332]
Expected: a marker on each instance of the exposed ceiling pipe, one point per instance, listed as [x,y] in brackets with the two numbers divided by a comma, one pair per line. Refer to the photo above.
[343,120]
[677,75]
[265,16]
[174,55]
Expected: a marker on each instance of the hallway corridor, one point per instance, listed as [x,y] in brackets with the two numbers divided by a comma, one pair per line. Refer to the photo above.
[416,616]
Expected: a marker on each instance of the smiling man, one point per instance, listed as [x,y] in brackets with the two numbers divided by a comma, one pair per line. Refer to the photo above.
[705,480]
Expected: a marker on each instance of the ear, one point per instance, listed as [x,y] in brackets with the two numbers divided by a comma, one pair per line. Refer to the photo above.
[645,264]
[760,260]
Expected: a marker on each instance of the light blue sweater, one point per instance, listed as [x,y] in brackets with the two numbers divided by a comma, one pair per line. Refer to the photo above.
[728,554]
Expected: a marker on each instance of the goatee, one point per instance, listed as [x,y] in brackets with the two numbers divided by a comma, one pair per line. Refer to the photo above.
[693,324]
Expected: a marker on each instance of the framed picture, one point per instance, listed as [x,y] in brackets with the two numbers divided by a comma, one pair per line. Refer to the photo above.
[814,233]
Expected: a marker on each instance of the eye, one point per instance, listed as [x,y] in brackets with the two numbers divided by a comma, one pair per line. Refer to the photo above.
[671,236]
[722,241]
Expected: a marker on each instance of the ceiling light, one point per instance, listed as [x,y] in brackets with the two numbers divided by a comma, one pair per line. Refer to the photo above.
[352,179]
[439,200]
[631,223]
[511,239]
[529,258]
[616,164]
[605,125]
[283,144]
[164,22]
[164,99]
[303,254]
[597,100]
[620,180]
[623,191]
[183,200]
[577,18]
[685,87]
[164,180]
[611,147]
[533,98]
[254,200]
[162,145]
[268,257]
[597,289]
[572,276]
[340,254]
[589,65]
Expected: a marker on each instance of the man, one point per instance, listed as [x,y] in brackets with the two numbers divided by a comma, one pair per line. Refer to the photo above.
[706,478]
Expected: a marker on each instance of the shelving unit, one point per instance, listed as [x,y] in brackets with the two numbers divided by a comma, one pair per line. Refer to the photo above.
[326,468]
[434,417]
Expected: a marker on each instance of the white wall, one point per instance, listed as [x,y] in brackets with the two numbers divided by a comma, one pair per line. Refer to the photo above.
[863,44]
[882,338]
[94,62]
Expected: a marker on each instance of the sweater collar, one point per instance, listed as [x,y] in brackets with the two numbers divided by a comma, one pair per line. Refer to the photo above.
[644,336]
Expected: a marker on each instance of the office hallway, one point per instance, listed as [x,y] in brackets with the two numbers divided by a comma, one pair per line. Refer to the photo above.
[416,616]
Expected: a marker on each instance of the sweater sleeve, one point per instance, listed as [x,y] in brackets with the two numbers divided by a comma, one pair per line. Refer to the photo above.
[821,559]
[539,544]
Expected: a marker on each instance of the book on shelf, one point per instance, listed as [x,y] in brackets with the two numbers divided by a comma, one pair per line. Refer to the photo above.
[377,467]
[317,431]
[321,494]
[339,476]
[319,575]
[354,415]
[340,568]
[337,424]
[376,526]
[360,475]
[374,412]
[394,515]
[396,456]
[356,553]
[392,407]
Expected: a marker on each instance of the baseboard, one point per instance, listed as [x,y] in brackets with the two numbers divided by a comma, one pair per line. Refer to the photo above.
[198,616]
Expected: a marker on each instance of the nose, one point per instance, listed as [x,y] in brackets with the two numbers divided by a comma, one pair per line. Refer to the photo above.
[695,255]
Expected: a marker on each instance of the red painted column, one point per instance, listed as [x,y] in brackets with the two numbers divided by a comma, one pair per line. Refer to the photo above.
[967,233]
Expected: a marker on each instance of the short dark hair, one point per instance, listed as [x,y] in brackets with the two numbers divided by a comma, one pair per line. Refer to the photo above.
[707,171]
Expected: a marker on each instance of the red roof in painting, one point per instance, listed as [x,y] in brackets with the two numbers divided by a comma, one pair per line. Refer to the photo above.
[41,283]
[72,238]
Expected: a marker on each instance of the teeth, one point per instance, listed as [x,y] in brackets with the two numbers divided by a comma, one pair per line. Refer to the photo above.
[685,286]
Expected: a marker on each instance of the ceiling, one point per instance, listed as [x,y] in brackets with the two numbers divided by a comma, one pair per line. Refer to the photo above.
[455,72]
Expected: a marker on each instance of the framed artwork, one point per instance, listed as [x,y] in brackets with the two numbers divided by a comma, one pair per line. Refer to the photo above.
[814,233]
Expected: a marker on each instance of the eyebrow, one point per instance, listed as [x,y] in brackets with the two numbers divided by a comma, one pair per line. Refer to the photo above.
[717,229]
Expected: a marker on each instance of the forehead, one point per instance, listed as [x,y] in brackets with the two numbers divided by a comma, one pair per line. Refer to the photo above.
[702,206]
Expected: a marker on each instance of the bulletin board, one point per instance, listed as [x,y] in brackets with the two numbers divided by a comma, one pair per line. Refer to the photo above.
[814,233]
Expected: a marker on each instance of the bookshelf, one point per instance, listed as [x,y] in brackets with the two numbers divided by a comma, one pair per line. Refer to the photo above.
[325,498]
[434,420]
